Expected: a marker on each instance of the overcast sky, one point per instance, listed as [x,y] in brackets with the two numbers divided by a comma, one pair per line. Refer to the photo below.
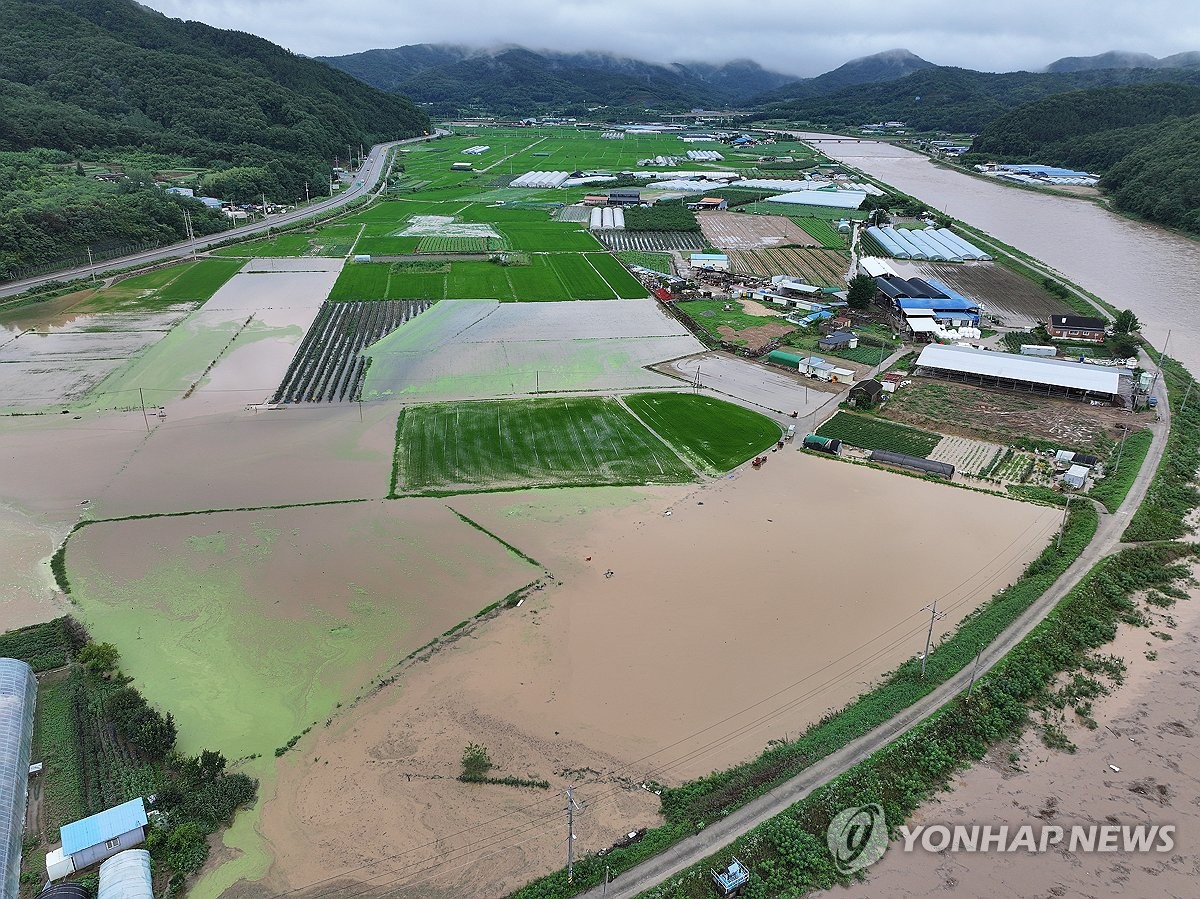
[792,36]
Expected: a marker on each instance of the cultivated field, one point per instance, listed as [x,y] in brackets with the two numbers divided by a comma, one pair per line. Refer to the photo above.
[734,231]
[329,365]
[535,277]
[824,232]
[969,457]
[1004,417]
[653,241]
[871,433]
[1016,301]
[818,267]
[462,447]
[657,262]
[471,349]
[712,434]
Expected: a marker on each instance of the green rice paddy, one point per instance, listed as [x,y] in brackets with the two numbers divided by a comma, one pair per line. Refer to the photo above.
[471,446]
[712,434]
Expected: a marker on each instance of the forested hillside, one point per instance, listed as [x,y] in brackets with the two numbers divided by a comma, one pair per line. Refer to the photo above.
[954,100]
[454,80]
[1143,139]
[114,83]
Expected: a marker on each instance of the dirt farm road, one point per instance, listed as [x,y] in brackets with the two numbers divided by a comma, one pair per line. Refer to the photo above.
[366,178]
[720,833]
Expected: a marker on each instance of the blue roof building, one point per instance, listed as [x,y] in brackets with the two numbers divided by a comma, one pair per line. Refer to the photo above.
[94,839]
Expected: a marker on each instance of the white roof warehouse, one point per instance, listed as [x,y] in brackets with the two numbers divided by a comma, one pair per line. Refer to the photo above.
[1020,372]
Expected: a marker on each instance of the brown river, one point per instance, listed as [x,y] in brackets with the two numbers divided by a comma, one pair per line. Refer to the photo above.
[1129,264]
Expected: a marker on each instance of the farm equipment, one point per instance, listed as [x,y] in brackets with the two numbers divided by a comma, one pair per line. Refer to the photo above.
[758,461]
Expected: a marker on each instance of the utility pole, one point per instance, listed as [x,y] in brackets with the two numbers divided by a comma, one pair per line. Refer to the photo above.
[605,892]
[571,806]
[145,417]
[306,192]
[264,202]
[349,156]
[933,617]
[1186,394]
[1121,448]
[1063,527]
[974,669]
[92,266]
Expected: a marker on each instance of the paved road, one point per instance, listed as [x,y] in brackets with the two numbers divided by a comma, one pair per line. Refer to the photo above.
[694,849]
[365,182]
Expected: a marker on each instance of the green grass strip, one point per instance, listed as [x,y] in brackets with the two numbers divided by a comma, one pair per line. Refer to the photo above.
[1118,479]
[1173,492]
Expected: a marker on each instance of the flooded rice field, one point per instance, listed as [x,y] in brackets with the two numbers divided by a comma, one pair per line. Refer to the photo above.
[464,349]
[279,614]
[648,659]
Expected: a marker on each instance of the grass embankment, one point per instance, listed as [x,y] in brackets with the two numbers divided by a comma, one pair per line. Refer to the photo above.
[1173,492]
[871,433]
[688,807]
[712,434]
[787,854]
[1118,479]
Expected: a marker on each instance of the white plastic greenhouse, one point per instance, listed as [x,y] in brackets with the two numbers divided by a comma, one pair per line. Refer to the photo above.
[18,692]
[126,876]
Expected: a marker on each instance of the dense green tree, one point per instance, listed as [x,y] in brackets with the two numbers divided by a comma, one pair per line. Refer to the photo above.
[861,292]
[1126,322]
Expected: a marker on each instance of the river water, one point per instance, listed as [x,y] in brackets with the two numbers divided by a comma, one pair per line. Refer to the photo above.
[1129,264]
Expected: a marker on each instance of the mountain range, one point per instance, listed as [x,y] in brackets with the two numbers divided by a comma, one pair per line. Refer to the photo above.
[451,79]
[1119,59]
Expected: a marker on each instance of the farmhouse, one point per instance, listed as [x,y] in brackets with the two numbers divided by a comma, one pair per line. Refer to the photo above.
[18,689]
[1075,327]
[712,204]
[838,340]
[1015,372]
[94,839]
[624,197]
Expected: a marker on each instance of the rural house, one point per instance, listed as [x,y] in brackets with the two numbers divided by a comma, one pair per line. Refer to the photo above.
[866,394]
[94,839]
[838,340]
[1075,327]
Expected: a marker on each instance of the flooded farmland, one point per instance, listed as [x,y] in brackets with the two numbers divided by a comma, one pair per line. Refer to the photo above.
[755,585]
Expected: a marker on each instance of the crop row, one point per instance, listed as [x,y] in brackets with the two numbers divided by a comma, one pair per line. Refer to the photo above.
[876,433]
[824,231]
[329,365]
[652,241]
[820,267]
[657,262]
[463,245]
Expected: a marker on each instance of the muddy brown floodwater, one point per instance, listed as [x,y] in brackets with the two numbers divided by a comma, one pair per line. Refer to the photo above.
[686,627]
[1129,264]
[1147,729]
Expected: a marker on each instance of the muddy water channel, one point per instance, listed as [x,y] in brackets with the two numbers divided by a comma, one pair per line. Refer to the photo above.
[1129,264]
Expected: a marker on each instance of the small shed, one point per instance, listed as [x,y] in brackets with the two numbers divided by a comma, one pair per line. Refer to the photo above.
[97,838]
[867,394]
[713,204]
[838,340]
[626,197]
[1076,476]
[841,375]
